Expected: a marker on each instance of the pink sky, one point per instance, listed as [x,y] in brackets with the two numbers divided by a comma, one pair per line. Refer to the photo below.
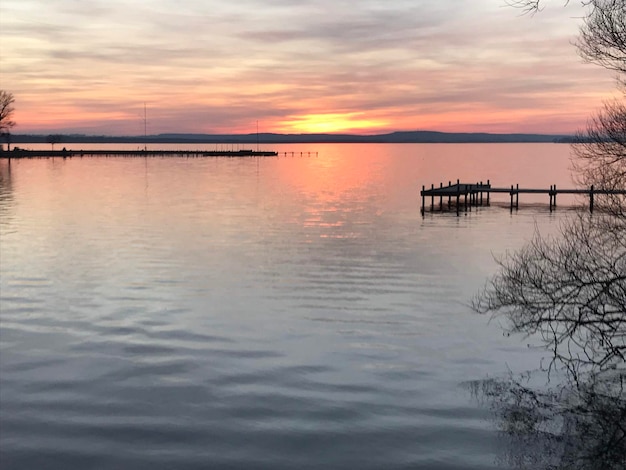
[313,66]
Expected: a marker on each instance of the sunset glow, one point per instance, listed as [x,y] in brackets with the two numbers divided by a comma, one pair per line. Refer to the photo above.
[332,123]
[316,66]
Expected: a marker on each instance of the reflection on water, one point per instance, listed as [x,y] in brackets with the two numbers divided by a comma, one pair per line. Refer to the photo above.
[6,188]
[254,313]
[577,427]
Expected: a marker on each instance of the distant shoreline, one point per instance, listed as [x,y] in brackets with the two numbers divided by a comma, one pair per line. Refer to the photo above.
[413,137]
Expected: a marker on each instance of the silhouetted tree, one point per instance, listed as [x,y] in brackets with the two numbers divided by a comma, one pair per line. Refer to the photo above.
[54,139]
[6,113]
[601,156]
[571,289]
[603,35]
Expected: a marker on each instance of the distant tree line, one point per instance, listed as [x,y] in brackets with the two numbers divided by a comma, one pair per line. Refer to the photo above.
[270,138]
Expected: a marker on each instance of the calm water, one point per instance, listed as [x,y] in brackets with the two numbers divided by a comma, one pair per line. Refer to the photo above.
[279,313]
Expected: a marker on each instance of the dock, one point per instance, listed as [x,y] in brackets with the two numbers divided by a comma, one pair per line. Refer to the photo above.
[22,153]
[464,196]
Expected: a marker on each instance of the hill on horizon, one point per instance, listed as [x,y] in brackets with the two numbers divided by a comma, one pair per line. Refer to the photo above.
[275,138]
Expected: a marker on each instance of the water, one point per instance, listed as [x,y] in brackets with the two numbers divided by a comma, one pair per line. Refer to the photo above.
[279,313]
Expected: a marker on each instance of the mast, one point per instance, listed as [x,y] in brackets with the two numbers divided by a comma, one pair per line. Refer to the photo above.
[145,128]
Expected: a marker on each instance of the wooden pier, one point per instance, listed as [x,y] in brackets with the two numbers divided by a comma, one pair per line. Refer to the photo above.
[22,153]
[464,196]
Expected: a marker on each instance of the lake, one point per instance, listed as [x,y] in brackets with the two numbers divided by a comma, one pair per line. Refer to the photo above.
[266,313]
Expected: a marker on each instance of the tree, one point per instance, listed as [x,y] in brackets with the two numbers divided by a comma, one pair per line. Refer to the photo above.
[603,35]
[54,139]
[6,113]
[600,154]
[571,289]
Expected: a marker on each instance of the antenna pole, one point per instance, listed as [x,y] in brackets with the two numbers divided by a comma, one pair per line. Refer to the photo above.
[145,128]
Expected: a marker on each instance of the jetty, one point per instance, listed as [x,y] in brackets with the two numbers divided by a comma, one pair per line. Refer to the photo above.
[65,153]
[464,196]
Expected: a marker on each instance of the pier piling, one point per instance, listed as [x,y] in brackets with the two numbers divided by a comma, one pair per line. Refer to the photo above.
[441,197]
[432,197]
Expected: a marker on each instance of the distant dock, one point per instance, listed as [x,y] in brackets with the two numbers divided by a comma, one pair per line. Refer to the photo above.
[464,196]
[22,153]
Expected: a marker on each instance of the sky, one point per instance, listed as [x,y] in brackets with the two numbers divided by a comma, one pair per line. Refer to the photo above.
[295,66]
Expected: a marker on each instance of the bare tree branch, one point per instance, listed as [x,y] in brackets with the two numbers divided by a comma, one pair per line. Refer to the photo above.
[570,291]
[6,111]
[603,35]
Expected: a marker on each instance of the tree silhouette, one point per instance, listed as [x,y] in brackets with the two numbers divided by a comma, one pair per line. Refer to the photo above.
[6,113]
[601,156]
[54,139]
[571,289]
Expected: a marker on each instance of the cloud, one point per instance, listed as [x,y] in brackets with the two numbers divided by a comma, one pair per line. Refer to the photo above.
[215,65]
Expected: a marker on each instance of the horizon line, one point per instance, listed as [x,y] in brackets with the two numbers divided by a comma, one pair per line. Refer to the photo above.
[301,134]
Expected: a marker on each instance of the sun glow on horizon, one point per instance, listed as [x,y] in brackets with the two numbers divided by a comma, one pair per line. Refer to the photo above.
[332,123]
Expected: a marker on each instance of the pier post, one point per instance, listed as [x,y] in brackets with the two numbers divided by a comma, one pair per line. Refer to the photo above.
[591,199]
[481,193]
[449,196]
[465,193]
[440,198]
[488,192]
[423,198]
[550,194]
[458,197]
[511,205]
[432,197]
[475,195]
[517,197]
[555,196]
